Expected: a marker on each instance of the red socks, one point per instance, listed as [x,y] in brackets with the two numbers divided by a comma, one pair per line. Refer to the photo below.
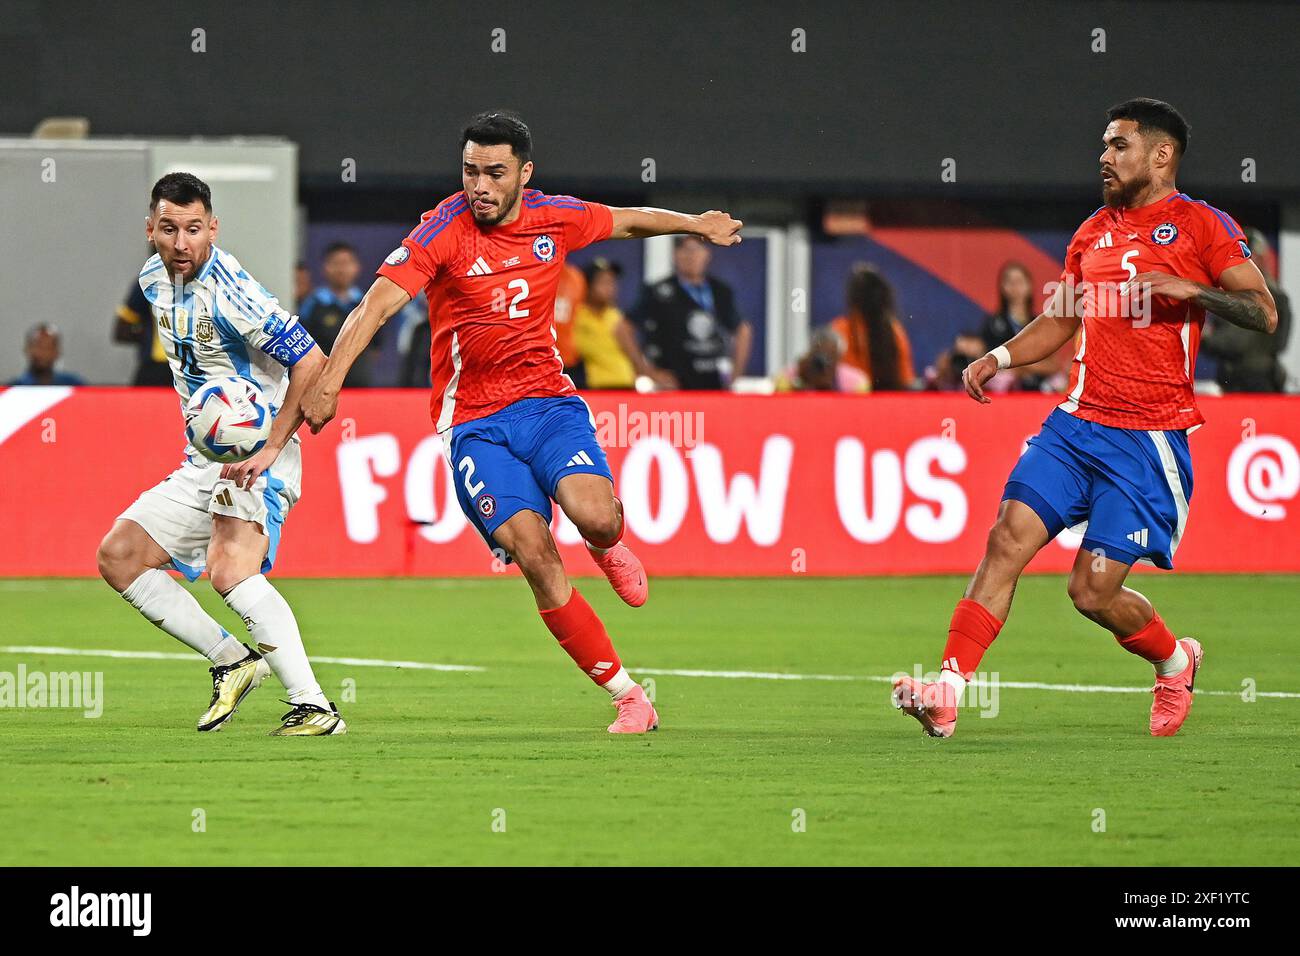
[973,629]
[1154,642]
[584,638]
[971,632]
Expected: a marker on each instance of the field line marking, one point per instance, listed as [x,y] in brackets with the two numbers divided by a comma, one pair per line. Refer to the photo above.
[651,671]
[166,656]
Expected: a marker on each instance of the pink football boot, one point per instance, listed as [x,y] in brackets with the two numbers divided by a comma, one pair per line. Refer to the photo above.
[934,705]
[625,573]
[636,714]
[1174,694]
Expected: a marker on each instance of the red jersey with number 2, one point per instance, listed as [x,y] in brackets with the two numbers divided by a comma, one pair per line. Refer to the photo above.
[1131,370]
[491,293]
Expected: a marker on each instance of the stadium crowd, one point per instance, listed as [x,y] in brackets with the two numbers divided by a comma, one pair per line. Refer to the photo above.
[685,332]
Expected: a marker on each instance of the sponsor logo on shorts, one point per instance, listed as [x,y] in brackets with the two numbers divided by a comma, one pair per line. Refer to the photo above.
[487,506]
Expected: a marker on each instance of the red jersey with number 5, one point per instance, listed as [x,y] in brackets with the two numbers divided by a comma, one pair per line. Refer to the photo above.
[491,293]
[1134,370]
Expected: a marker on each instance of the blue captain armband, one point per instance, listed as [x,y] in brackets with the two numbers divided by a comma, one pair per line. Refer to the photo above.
[289,344]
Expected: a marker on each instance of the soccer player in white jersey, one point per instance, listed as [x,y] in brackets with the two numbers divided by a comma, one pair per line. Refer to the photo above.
[216,321]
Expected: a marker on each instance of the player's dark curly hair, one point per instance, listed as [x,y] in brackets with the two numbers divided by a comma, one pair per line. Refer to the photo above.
[182,189]
[500,126]
[1153,114]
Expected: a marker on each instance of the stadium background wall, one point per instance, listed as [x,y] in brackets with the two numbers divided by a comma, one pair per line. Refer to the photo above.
[884,93]
[713,484]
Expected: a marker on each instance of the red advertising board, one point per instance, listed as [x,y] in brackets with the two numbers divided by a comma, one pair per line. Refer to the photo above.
[712,484]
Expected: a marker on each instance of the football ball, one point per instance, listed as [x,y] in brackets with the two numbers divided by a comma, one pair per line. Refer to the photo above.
[228,419]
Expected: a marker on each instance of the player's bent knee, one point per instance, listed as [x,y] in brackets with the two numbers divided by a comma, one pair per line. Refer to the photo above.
[1005,542]
[119,564]
[603,528]
[535,557]
[228,565]
[1088,600]
[225,578]
[533,549]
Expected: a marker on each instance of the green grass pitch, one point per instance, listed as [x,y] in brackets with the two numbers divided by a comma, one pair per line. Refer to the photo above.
[512,765]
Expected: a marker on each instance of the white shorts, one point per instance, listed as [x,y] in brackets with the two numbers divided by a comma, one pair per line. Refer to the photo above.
[177,512]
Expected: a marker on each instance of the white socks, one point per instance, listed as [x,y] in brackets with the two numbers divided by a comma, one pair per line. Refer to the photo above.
[273,627]
[619,685]
[1176,663]
[953,680]
[167,605]
[270,621]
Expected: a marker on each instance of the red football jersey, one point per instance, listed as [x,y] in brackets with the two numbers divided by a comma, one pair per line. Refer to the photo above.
[491,293]
[1134,371]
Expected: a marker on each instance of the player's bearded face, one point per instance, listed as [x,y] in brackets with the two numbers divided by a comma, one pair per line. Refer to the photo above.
[182,236]
[1125,164]
[493,178]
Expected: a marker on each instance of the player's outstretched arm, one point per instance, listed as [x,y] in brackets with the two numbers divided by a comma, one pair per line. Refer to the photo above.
[641,222]
[302,374]
[379,304]
[1038,340]
[1241,298]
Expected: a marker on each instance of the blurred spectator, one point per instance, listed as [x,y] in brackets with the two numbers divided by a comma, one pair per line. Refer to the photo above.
[42,346]
[1015,305]
[134,325]
[945,374]
[689,326]
[568,296]
[1016,309]
[414,341]
[325,309]
[871,336]
[599,329]
[301,285]
[822,368]
[1249,361]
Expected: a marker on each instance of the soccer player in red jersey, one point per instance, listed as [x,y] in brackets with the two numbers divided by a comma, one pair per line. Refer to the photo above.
[489,259]
[1140,274]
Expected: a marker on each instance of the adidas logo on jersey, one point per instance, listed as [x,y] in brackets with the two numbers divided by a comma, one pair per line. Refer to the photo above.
[479,268]
[581,458]
[1105,242]
[1138,537]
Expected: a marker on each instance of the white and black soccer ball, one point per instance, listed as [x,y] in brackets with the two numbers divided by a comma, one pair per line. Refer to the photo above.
[228,419]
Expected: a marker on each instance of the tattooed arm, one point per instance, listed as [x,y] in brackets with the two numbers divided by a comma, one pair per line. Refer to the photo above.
[1242,297]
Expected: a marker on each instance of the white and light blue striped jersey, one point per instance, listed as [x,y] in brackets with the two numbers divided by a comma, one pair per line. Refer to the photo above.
[221,323]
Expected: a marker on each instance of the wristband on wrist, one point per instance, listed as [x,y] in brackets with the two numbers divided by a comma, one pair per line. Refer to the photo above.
[1003,356]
